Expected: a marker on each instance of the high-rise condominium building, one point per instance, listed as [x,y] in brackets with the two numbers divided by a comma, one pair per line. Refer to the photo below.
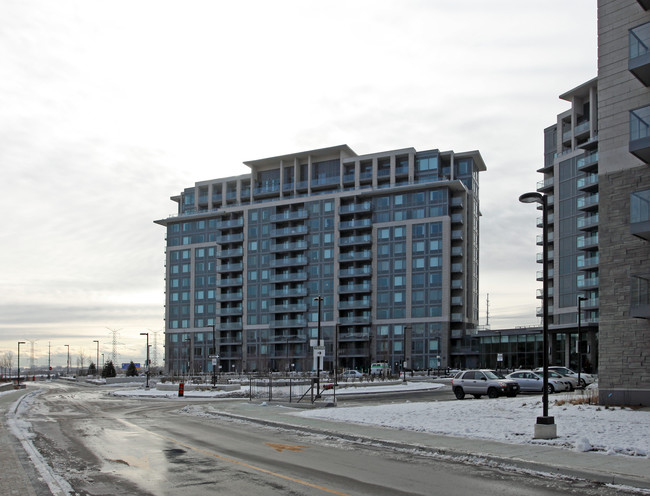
[571,185]
[624,210]
[378,252]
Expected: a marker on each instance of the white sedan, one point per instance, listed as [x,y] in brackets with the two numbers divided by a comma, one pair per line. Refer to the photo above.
[531,381]
[585,379]
[352,374]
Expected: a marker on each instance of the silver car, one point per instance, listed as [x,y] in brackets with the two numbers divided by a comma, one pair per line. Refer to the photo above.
[532,382]
[482,382]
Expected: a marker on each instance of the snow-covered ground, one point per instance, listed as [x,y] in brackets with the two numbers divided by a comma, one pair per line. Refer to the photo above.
[581,427]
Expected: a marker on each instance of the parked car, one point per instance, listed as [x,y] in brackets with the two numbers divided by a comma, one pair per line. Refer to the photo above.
[585,379]
[552,374]
[352,374]
[532,382]
[482,382]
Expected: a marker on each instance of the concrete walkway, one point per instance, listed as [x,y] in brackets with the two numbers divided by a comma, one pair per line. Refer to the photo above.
[619,470]
[17,474]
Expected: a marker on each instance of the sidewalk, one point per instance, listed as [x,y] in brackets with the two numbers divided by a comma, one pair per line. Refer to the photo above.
[14,478]
[609,469]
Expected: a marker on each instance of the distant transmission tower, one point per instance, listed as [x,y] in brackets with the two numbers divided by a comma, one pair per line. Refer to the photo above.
[154,352]
[487,311]
[31,354]
[114,355]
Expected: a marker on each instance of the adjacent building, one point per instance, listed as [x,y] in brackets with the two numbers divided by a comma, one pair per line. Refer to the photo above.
[597,182]
[624,205]
[378,254]
[571,185]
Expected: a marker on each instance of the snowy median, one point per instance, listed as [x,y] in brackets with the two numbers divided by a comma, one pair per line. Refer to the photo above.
[581,427]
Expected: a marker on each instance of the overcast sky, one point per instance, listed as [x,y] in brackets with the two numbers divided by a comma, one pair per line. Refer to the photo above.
[109,108]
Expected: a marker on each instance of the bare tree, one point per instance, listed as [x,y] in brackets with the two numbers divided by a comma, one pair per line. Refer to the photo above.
[81,359]
[7,361]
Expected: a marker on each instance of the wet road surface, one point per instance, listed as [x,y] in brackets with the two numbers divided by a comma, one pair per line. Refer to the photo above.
[101,444]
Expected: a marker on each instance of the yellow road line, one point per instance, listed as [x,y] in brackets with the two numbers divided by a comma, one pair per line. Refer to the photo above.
[237,462]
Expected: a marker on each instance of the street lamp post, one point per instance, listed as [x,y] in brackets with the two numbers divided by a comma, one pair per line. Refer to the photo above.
[67,370]
[545,427]
[97,362]
[19,343]
[189,355]
[318,298]
[147,334]
[579,347]
[214,356]
[404,347]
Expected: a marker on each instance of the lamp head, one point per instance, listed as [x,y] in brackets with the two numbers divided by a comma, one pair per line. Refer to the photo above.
[533,197]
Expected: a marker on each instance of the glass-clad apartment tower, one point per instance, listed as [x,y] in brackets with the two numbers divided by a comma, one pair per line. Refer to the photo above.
[571,183]
[387,243]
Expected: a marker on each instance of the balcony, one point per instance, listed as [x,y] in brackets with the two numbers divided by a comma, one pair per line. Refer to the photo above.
[588,182]
[639,56]
[356,320]
[231,267]
[230,223]
[230,238]
[236,296]
[545,185]
[355,304]
[457,218]
[585,283]
[588,242]
[356,271]
[355,224]
[354,336]
[640,133]
[587,161]
[289,262]
[588,222]
[640,296]
[230,311]
[287,323]
[289,231]
[299,245]
[289,308]
[234,253]
[235,281]
[325,182]
[354,256]
[588,202]
[354,208]
[287,216]
[268,189]
[355,240]
[229,326]
[292,276]
[540,238]
[355,288]
[289,293]
[640,214]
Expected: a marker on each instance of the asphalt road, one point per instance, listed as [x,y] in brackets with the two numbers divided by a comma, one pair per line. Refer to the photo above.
[104,445]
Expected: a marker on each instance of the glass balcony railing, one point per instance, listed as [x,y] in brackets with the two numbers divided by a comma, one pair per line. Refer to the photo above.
[639,54]
[640,214]
[640,133]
